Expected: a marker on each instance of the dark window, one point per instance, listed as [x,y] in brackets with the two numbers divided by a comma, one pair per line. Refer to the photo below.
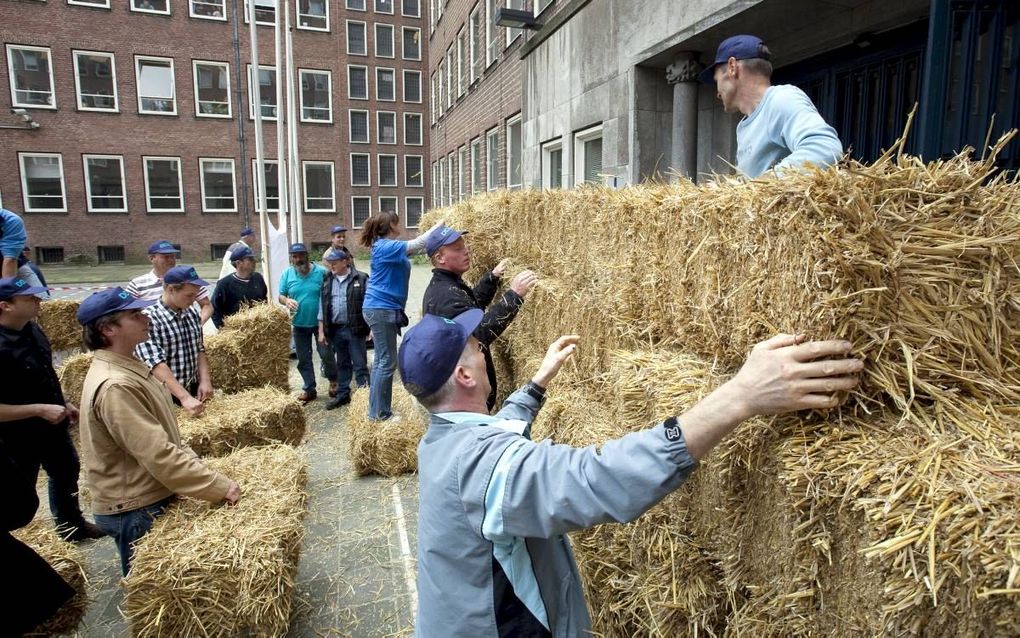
[111,254]
[216,251]
[49,255]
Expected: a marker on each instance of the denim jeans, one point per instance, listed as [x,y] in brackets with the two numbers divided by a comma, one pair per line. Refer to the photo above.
[303,338]
[128,527]
[384,333]
[351,358]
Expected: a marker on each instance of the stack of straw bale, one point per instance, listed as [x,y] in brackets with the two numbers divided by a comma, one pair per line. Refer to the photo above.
[71,373]
[386,448]
[254,417]
[67,560]
[216,570]
[59,321]
[895,514]
[251,350]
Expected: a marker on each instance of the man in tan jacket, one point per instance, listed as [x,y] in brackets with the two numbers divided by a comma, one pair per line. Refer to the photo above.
[134,460]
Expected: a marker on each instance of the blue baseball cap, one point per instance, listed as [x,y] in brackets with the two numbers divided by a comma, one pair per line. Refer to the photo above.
[297,248]
[104,302]
[429,351]
[247,231]
[163,247]
[336,255]
[442,236]
[184,275]
[240,253]
[740,47]
[18,287]
[337,229]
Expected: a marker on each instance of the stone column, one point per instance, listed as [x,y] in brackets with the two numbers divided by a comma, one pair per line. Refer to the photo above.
[683,75]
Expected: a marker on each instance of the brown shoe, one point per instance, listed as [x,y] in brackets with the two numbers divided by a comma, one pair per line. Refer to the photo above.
[306,397]
[332,388]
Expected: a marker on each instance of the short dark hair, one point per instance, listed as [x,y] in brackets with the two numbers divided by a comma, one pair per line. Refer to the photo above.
[92,333]
[761,65]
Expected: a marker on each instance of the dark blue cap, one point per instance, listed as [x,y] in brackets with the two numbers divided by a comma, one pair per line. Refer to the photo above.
[740,47]
[337,229]
[247,231]
[240,253]
[429,351]
[298,248]
[104,302]
[184,275]
[18,287]
[336,255]
[442,236]
[163,247]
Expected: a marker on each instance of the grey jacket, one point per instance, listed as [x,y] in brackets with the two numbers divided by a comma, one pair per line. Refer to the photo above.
[494,508]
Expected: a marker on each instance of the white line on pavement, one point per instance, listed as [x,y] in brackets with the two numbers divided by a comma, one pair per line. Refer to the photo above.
[405,549]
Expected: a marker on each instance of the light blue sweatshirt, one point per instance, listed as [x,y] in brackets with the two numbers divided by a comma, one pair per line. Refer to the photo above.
[785,130]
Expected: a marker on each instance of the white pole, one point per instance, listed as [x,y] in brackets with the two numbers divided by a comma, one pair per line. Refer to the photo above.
[260,160]
[293,119]
[281,156]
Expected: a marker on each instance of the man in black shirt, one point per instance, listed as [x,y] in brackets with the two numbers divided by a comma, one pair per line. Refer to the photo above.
[34,417]
[242,286]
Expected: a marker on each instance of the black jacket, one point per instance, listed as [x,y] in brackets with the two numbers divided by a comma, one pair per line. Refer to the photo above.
[447,296]
[355,300]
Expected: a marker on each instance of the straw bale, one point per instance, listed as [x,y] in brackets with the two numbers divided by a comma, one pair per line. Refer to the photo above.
[71,373]
[66,559]
[253,417]
[59,321]
[218,570]
[251,350]
[386,448]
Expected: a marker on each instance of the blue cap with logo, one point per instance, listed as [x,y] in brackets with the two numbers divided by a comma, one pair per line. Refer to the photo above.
[162,247]
[740,47]
[442,236]
[245,232]
[18,287]
[104,302]
[337,229]
[429,351]
[297,248]
[240,253]
[336,254]
[184,275]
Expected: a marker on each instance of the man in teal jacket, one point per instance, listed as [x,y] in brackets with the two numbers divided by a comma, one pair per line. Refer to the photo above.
[299,292]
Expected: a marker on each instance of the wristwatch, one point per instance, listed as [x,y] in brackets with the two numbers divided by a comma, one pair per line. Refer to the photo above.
[534,391]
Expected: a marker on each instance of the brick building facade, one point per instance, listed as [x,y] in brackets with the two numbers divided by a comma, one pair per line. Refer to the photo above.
[145,127]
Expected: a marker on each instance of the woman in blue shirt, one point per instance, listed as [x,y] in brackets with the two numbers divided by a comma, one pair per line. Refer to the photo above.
[385,299]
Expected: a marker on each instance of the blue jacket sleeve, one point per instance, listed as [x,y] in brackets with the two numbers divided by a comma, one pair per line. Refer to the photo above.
[803,130]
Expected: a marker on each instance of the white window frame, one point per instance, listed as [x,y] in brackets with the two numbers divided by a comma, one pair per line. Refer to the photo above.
[24,183]
[512,33]
[377,83]
[173,78]
[450,57]
[421,172]
[432,98]
[255,184]
[490,33]
[350,127]
[439,96]
[88,183]
[101,4]
[155,11]
[463,157]
[329,89]
[403,94]
[396,203]
[476,159]
[421,129]
[393,40]
[276,7]
[417,14]
[368,93]
[420,199]
[194,74]
[180,183]
[364,5]
[304,184]
[451,161]
[580,137]
[461,43]
[251,93]
[368,157]
[491,172]
[541,5]
[52,106]
[378,128]
[192,14]
[515,120]
[354,222]
[297,9]
[113,77]
[379,173]
[393,7]
[347,36]
[548,148]
[403,51]
[473,43]
[439,186]
[233,183]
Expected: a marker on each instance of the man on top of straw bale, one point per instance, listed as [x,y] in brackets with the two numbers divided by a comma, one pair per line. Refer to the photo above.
[300,286]
[247,240]
[447,295]
[242,286]
[135,462]
[781,128]
[163,257]
[494,507]
[34,416]
[175,351]
[342,325]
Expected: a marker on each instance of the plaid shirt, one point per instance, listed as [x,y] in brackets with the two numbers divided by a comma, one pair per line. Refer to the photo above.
[175,338]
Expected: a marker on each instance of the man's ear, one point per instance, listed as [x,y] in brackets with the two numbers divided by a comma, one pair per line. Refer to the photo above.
[463,377]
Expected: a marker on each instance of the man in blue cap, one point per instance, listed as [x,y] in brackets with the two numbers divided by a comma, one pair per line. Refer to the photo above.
[34,414]
[135,461]
[175,351]
[163,256]
[299,292]
[337,241]
[781,128]
[342,325]
[495,507]
[247,240]
[242,286]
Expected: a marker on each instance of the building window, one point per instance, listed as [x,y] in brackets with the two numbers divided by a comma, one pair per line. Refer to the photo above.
[265,12]
[388,204]
[357,43]
[588,156]
[384,41]
[156,87]
[104,4]
[319,187]
[386,127]
[356,5]
[361,210]
[31,74]
[410,8]
[385,85]
[267,92]
[151,6]
[384,6]
[357,82]
[359,127]
[451,67]
[492,159]
[218,194]
[476,165]
[208,9]
[413,208]
[42,182]
[271,168]
[411,49]
[552,164]
[475,44]
[413,171]
[491,41]
[512,33]
[212,89]
[95,80]
[439,94]
[387,170]
[461,54]
[463,177]
[540,5]
[111,254]
[49,255]
[361,174]
[104,183]
[412,86]
[412,129]
[316,96]
[438,184]
[313,15]
[513,152]
[217,251]
[164,192]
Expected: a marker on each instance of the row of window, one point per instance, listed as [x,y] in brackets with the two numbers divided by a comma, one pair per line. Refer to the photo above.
[384,47]
[436,8]
[43,188]
[95,72]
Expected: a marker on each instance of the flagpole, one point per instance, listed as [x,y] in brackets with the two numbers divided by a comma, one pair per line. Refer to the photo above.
[260,161]
[293,120]
[281,155]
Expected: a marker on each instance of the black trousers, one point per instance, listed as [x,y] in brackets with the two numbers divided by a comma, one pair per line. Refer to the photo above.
[50,447]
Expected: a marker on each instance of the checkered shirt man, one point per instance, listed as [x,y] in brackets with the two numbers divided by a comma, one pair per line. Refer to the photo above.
[175,338]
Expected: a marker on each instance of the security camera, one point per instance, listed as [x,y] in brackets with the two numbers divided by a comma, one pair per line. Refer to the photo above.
[19,111]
